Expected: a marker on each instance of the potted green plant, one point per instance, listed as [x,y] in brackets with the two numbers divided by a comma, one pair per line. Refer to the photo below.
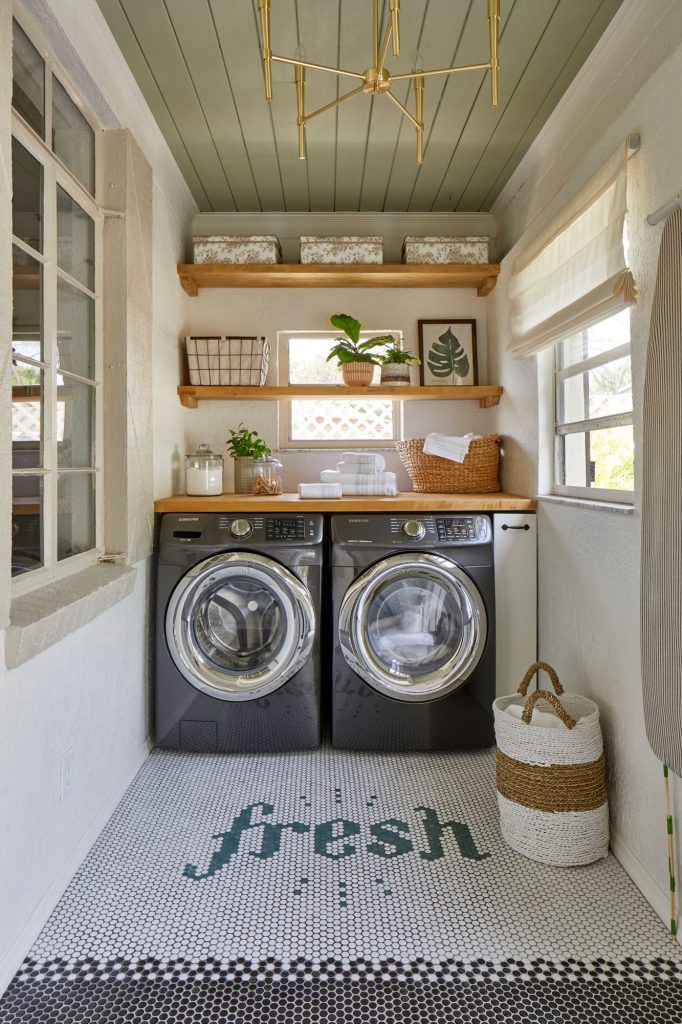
[395,364]
[244,446]
[355,358]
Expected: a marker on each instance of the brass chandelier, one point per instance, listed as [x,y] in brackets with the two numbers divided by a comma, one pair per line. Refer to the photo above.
[377,79]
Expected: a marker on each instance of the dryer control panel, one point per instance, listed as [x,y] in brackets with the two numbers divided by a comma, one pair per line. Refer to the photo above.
[235,530]
[411,530]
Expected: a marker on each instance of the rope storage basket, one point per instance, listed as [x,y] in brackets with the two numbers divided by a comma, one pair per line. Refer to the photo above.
[478,474]
[551,775]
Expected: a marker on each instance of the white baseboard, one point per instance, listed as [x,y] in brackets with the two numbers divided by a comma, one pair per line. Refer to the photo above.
[16,954]
[653,893]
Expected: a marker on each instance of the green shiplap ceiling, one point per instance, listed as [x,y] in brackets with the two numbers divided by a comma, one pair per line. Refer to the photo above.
[198,65]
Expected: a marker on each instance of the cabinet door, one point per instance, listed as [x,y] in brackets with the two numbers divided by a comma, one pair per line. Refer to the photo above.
[516,597]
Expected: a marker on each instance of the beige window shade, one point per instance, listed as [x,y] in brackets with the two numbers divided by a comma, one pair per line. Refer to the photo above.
[574,274]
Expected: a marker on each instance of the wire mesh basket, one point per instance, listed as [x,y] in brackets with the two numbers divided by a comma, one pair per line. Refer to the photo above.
[228,360]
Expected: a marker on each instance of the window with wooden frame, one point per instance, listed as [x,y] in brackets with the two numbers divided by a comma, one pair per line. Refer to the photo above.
[594,444]
[56,324]
[323,422]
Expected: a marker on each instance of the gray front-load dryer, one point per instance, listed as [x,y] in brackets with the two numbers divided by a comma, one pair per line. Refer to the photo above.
[238,632]
[413,626]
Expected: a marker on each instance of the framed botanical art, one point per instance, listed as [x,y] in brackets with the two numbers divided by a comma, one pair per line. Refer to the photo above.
[447,349]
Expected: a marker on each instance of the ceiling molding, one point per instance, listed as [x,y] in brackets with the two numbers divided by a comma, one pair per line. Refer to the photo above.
[391,226]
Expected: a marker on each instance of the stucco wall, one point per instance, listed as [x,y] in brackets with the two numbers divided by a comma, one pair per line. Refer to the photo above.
[589,560]
[88,693]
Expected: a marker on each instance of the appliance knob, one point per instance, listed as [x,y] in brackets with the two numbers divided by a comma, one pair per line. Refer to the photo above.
[413,529]
[241,528]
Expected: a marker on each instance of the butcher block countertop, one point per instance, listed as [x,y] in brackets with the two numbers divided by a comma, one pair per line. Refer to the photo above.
[405,501]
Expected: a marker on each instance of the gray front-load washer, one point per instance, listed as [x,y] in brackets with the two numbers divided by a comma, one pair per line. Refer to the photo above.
[413,625]
[238,632]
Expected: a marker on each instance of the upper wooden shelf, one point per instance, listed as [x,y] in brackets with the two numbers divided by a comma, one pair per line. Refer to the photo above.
[481,276]
[486,395]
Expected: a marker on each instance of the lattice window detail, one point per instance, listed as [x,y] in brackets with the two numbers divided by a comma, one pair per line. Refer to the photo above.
[354,420]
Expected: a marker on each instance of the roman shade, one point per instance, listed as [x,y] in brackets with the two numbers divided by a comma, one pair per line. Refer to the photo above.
[574,273]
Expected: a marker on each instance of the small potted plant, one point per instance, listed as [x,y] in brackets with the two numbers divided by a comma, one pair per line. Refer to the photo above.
[355,357]
[395,364]
[244,446]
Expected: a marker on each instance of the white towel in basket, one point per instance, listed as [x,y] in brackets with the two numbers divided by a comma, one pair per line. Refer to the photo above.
[453,448]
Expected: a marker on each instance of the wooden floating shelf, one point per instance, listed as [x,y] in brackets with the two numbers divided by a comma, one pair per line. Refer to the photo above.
[486,395]
[407,501]
[481,276]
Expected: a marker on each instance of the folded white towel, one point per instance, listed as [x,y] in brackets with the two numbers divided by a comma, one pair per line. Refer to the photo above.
[365,458]
[453,448]
[334,476]
[541,719]
[345,466]
[381,489]
[319,490]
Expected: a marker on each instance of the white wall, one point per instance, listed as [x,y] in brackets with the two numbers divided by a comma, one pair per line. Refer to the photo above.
[250,311]
[90,692]
[589,560]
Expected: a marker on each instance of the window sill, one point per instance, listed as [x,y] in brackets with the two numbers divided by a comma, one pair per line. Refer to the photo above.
[48,614]
[601,506]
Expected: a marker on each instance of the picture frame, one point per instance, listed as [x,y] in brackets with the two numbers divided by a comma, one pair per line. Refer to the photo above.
[447,349]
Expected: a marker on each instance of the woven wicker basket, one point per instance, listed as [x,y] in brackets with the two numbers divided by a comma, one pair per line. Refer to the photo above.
[478,474]
[551,782]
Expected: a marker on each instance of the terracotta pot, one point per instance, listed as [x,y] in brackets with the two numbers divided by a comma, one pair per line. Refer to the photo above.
[396,374]
[357,375]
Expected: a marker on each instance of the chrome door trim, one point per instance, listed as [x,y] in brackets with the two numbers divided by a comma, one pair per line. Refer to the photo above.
[203,673]
[352,616]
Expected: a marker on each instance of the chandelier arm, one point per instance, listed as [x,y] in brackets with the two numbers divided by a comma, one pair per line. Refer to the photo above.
[439,71]
[494,34]
[316,67]
[404,109]
[375,33]
[395,25]
[384,46]
[264,14]
[419,111]
[332,104]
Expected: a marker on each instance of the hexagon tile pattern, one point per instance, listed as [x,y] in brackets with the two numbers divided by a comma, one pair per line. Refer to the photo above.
[312,888]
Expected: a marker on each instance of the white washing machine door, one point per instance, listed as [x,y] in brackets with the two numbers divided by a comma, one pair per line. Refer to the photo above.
[239,625]
[413,626]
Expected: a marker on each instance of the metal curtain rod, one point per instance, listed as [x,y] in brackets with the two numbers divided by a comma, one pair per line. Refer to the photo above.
[662,212]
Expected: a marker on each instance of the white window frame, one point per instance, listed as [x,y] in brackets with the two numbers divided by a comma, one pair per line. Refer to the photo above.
[55,173]
[605,494]
[284,405]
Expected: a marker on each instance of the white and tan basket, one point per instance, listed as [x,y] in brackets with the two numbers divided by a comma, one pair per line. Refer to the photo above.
[228,361]
[551,782]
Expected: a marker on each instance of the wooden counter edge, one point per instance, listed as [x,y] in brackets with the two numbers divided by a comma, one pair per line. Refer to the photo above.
[405,501]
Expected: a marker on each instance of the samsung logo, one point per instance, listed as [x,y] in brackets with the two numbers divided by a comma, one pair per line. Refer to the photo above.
[188,519]
[358,520]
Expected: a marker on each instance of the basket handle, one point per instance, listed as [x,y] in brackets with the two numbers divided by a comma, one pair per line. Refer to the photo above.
[525,682]
[561,711]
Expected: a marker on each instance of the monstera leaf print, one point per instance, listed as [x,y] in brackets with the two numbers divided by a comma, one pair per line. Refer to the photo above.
[447,357]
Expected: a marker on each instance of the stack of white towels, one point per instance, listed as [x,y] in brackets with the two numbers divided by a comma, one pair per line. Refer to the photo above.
[355,473]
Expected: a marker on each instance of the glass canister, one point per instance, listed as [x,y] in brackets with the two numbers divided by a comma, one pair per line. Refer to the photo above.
[268,476]
[203,471]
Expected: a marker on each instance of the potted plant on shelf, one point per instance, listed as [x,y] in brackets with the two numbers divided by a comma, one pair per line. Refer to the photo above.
[355,357]
[244,446]
[395,364]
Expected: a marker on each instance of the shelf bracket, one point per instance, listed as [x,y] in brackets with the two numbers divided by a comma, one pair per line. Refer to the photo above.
[189,284]
[486,287]
[188,400]
[489,401]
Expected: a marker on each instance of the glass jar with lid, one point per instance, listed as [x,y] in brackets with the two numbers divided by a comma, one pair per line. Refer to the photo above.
[268,476]
[203,471]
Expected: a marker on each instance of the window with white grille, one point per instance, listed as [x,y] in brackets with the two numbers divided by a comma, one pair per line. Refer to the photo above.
[56,334]
[323,422]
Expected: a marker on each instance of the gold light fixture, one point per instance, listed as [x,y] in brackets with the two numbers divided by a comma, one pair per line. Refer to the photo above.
[377,79]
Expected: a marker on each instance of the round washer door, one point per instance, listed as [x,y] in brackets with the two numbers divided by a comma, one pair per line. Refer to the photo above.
[239,625]
[413,626]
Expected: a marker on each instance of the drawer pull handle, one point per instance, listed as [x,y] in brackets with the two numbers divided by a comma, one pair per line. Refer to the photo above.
[506,526]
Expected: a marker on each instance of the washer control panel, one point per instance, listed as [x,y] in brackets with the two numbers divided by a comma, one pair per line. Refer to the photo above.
[412,531]
[457,528]
[225,530]
[285,528]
